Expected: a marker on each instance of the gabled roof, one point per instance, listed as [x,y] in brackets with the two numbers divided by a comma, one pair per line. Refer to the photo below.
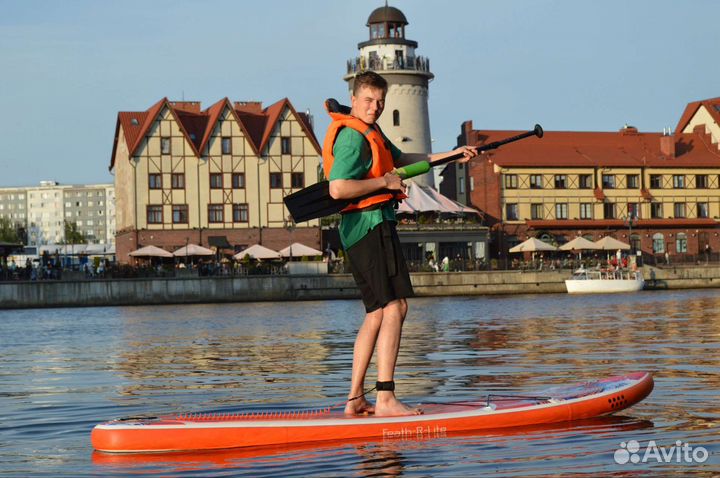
[197,126]
[711,104]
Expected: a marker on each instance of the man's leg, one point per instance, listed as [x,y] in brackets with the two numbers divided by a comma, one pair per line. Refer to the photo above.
[362,354]
[388,345]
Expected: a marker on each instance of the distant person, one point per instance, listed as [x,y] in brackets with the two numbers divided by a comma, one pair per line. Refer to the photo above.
[359,160]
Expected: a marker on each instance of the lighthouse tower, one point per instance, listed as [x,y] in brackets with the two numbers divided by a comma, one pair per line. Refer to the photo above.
[405,120]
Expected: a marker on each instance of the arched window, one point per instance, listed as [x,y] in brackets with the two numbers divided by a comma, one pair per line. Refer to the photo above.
[658,243]
[635,242]
[681,242]
[396,118]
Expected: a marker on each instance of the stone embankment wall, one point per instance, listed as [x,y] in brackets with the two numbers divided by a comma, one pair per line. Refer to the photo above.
[84,293]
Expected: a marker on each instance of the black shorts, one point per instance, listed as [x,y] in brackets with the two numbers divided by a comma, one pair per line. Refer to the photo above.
[379,268]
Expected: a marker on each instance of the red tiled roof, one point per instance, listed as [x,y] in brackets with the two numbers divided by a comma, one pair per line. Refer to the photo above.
[197,126]
[711,105]
[625,148]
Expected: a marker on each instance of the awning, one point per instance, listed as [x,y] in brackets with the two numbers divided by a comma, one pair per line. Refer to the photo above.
[427,199]
[220,242]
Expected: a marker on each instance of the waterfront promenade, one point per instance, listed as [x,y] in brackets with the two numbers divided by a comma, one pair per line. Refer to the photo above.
[193,289]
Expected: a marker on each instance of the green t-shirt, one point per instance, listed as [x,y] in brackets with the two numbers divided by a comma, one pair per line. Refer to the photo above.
[353,159]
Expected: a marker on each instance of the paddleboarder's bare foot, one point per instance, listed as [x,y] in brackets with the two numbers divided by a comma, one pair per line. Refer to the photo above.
[389,406]
[359,406]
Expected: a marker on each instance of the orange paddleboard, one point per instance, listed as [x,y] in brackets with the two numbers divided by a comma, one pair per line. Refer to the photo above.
[218,431]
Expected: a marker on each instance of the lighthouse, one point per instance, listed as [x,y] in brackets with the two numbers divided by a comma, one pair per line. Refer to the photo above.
[405,120]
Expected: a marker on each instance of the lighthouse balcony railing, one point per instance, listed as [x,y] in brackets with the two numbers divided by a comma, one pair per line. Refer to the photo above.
[362,63]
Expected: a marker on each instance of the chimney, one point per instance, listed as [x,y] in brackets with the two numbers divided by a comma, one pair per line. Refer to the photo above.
[249,106]
[667,146]
[191,106]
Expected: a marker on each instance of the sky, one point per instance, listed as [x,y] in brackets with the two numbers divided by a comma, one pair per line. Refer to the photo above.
[68,67]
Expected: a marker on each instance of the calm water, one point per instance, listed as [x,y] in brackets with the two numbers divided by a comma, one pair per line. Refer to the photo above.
[64,370]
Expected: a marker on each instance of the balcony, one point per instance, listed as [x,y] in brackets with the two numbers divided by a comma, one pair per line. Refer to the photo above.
[412,64]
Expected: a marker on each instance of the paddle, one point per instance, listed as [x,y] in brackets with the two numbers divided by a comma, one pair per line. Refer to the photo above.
[315,201]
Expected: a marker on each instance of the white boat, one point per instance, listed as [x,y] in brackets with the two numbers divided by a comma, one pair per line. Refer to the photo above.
[590,281]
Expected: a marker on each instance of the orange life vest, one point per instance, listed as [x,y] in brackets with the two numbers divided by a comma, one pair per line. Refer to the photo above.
[382,161]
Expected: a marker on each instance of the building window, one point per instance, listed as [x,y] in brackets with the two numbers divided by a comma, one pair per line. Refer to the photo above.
[536,181]
[276,181]
[240,213]
[216,213]
[703,209]
[608,181]
[164,145]
[586,210]
[701,181]
[396,118]
[560,181]
[285,145]
[679,209]
[297,180]
[238,180]
[561,210]
[180,214]
[633,181]
[656,210]
[178,180]
[678,181]
[226,145]
[585,181]
[511,212]
[536,211]
[656,181]
[510,181]
[461,185]
[155,214]
[658,243]
[216,181]
[633,210]
[155,181]
[609,210]
[681,242]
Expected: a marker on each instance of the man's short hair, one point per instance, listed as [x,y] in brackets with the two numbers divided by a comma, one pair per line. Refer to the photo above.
[370,79]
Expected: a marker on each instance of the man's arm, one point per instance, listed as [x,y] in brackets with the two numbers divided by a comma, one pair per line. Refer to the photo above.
[410,158]
[352,188]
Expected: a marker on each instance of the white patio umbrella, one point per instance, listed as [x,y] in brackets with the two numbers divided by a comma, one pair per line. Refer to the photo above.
[533,245]
[579,244]
[193,250]
[150,251]
[256,251]
[608,243]
[297,249]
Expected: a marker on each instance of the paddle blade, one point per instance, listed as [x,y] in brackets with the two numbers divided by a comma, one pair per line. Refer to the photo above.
[313,202]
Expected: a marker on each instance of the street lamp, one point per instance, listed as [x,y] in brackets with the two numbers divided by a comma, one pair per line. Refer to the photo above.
[289,225]
[631,221]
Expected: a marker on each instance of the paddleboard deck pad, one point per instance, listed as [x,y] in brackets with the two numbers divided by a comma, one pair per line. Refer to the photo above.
[211,431]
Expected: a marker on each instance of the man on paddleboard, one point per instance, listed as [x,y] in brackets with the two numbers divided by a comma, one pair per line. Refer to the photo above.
[359,160]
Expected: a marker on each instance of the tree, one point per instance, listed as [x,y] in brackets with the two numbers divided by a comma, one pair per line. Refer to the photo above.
[72,235]
[8,231]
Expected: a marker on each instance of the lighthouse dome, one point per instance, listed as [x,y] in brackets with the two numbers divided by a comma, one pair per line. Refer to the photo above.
[387,14]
